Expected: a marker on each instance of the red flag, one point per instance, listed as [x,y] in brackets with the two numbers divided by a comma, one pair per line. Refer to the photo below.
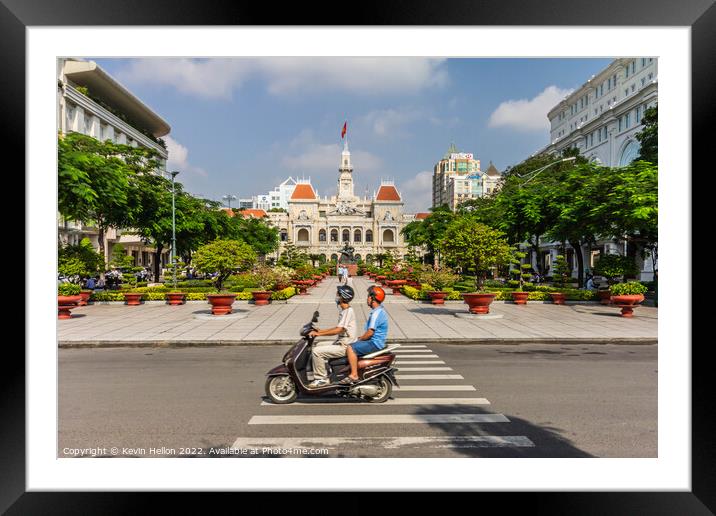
[343,132]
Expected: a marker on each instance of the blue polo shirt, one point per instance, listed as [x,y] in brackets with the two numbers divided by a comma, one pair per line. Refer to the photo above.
[378,322]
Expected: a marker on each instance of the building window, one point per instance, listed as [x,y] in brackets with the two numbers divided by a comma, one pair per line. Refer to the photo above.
[620,123]
[302,235]
[346,235]
[322,235]
[388,236]
[368,236]
[334,235]
[638,114]
[357,235]
[284,235]
[626,120]
[643,62]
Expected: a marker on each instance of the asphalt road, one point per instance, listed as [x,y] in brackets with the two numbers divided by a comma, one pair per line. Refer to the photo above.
[512,401]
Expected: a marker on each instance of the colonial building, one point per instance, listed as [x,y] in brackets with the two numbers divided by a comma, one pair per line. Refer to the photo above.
[91,102]
[601,120]
[323,225]
[457,178]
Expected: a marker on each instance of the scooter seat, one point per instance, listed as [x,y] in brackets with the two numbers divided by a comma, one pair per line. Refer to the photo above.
[338,361]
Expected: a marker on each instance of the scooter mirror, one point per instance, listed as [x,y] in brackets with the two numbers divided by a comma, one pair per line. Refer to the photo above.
[315,316]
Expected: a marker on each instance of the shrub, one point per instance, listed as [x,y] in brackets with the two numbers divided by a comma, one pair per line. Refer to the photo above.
[627,289]
[613,266]
[68,289]
[561,272]
[286,293]
[264,278]
[223,257]
[440,279]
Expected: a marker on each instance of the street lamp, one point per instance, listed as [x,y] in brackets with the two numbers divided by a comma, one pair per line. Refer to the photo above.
[229,198]
[535,173]
[174,234]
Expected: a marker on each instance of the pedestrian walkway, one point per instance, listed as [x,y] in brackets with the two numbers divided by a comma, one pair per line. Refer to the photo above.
[446,422]
[411,322]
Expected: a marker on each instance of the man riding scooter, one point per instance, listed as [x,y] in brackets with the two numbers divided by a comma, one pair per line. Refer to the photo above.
[345,331]
[376,331]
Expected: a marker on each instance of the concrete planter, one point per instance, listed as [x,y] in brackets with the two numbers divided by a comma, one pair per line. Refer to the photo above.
[133,299]
[627,303]
[85,295]
[557,298]
[65,304]
[176,298]
[479,303]
[221,303]
[437,298]
[520,298]
[261,297]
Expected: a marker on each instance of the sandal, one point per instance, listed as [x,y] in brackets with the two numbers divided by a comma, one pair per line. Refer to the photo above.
[348,381]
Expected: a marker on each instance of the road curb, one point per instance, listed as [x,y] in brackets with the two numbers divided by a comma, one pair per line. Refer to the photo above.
[625,341]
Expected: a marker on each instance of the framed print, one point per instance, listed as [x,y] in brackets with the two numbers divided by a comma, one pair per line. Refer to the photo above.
[247,156]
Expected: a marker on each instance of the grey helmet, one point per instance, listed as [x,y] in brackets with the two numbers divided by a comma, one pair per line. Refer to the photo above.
[346,293]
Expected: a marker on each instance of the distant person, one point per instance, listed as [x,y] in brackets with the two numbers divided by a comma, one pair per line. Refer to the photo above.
[590,283]
[100,283]
[90,285]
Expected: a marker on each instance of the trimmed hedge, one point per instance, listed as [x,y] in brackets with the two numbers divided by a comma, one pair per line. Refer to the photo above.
[160,295]
[505,294]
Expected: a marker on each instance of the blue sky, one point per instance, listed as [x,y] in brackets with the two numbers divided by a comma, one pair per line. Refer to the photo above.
[241,126]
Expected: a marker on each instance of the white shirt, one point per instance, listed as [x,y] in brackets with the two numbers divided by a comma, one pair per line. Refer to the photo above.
[347,320]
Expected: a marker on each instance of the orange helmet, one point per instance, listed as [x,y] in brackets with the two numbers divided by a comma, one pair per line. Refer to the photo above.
[377,293]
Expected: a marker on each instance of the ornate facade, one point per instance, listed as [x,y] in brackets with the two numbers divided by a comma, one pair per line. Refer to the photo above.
[323,225]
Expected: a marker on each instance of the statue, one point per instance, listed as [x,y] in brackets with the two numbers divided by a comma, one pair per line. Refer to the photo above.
[347,254]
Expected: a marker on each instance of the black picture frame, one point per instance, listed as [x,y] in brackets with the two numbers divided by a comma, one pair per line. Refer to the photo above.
[700,15]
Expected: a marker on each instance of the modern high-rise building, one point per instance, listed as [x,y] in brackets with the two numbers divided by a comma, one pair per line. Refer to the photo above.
[457,178]
[92,102]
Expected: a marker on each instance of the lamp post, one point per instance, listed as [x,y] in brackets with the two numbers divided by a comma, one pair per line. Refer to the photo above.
[174,234]
[535,173]
[229,198]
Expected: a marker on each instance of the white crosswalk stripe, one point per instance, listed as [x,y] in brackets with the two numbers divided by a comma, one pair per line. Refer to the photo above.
[414,358]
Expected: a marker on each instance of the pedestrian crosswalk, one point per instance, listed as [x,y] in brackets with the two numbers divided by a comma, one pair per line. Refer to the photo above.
[448,413]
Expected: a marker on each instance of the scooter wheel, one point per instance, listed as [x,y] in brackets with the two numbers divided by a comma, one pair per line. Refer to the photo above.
[385,389]
[281,389]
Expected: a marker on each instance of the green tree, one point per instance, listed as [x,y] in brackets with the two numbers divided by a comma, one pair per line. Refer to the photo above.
[94,180]
[475,247]
[292,256]
[520,269]
[561,273]
[224,257]
[649,136]
[120,258]
[615,266]
[79,261]
[428,231]
[256,232]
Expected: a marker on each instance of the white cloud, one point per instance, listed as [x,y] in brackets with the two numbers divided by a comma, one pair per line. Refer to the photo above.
[390,122]
[417,192]
[179,158]
[528,115]
[220,77]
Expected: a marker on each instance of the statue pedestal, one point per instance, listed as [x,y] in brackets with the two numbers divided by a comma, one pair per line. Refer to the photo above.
[352,268]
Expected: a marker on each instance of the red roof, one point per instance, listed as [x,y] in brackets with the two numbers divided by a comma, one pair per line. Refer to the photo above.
[255,214]
[247,213]
[303,191]
[421,216]
[387,193]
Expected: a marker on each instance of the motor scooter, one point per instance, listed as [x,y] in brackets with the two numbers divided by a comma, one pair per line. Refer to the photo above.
[376,374]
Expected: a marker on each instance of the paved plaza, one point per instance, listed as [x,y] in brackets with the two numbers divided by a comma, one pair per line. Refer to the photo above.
[158,324]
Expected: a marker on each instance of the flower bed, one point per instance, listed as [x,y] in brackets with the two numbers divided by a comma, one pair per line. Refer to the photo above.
[191,294]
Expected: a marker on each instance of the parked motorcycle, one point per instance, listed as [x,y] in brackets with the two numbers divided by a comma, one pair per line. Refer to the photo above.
[376,374]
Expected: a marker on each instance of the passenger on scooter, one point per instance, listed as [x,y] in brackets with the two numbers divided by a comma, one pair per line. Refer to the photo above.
[376,331]
[345,331]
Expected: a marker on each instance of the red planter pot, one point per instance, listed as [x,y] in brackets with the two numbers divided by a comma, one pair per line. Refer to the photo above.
[396,285]
[413,284]
[176,298]
[221,303]
[627,303]
[318,278]
[557,298]
[301,285]
[520,298]
[261,297]
[84,295]
[479,303]
[65,304]
[133,299]
[437,298]
[604,296]
[380,280]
